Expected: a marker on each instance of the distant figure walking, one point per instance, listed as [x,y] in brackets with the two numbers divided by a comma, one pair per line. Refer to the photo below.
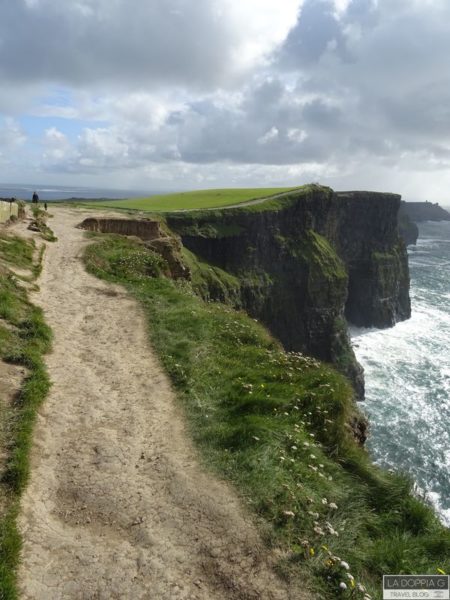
[35,198]
[45,205]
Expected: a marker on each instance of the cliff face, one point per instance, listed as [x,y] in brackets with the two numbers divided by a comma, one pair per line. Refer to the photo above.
[408,230]
[304,263]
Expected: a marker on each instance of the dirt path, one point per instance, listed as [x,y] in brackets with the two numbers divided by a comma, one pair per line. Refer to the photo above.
[118,506]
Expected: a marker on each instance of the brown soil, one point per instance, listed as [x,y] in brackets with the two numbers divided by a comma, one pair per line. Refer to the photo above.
[118,505]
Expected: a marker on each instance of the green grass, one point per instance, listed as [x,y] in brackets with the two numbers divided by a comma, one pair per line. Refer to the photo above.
[192,200]
[276,425]
[24,338]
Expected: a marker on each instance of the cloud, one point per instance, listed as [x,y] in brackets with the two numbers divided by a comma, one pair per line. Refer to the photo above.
[11,134]
[142,43]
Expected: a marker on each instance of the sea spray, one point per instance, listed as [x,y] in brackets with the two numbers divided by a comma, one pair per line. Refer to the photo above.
[407,371]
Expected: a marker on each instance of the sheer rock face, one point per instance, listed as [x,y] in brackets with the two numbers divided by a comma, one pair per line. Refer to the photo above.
[306,264]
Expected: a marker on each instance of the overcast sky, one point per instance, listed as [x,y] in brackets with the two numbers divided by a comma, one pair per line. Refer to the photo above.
[183,94]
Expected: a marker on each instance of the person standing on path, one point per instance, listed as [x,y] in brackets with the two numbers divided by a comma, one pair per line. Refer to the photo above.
[35,198]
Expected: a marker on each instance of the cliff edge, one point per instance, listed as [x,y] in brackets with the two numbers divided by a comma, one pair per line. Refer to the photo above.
[304,263]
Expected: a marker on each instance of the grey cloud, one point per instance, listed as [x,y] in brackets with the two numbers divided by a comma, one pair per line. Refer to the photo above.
[126,42]
[316,30]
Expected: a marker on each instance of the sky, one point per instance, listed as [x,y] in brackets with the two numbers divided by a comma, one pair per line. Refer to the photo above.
[187,94]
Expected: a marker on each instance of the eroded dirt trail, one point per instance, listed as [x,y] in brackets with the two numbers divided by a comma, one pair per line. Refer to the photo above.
[117,505]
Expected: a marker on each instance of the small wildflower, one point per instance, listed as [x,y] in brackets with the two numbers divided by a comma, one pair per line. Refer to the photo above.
[256,438]
[332,505]
[343,585]
[324,501]
[313,456]
[288,513]
[360,588]
[311,552]
[293,447]
[345,565]
[304,543]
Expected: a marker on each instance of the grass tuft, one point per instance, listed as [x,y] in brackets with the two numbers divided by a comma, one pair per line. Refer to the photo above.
[24,339]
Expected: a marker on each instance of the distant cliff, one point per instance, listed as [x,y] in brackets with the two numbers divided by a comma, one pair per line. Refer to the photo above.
[411,213]
[424,211]
[304,263]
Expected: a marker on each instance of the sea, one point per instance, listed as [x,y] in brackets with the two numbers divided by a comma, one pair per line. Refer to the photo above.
[53,193]
[407,373]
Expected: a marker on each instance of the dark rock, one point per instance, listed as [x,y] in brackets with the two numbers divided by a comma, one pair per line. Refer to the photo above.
[408,230]
[306,263]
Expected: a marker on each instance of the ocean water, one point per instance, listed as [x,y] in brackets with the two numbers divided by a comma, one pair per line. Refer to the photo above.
[407,371]
[49,193]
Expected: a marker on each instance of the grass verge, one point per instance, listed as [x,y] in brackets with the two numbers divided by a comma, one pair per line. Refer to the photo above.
[24,339]
[277,425]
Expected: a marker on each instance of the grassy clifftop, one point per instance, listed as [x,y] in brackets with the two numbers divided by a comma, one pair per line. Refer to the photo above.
[194,200]
[278,425]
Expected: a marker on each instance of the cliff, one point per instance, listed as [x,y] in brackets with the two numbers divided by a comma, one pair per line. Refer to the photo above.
[408,230]
[304,263]
[424,211]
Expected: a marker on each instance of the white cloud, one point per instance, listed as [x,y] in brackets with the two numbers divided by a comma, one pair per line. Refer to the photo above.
[11,134]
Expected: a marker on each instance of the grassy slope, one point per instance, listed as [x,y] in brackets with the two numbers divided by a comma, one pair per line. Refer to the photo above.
[24,338]
[275,424]
[192,200]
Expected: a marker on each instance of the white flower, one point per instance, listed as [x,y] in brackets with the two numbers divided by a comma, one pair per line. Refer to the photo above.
[333,505]
[350,576]
[324,501]
[345,565]
[288,513]
[293,447]
[343,585]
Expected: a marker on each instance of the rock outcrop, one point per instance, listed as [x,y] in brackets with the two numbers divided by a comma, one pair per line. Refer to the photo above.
[305,263]
[151,234]
[145,229]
